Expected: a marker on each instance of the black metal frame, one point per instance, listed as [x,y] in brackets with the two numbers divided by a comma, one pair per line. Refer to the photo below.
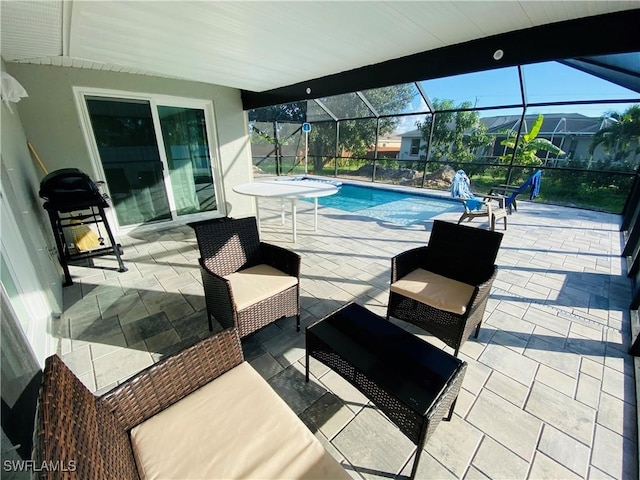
[631,228]
[61,222]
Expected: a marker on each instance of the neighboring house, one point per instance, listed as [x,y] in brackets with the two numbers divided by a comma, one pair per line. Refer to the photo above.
[412,145]
[388,147]
[571,132]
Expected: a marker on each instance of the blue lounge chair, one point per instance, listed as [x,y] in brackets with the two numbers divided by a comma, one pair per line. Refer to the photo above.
[512,191]
[477,205]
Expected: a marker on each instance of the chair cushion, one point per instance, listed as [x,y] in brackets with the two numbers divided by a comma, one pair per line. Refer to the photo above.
[435,290]
[234,427]
[258,283]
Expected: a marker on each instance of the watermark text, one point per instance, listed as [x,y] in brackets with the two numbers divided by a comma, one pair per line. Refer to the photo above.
[33,466]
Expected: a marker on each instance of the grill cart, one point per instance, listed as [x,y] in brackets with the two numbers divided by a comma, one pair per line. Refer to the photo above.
[73,202]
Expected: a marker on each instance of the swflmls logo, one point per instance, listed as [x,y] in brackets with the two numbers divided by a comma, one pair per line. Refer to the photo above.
[33,466]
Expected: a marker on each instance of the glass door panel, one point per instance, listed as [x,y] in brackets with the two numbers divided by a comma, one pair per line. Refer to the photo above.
[184,134]
[128,148]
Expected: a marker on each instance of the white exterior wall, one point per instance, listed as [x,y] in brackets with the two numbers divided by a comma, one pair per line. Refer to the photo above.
[405,149]
[30,271]
[49,119]
[52,124]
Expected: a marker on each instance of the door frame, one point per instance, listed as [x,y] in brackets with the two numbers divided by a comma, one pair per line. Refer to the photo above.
[80,93]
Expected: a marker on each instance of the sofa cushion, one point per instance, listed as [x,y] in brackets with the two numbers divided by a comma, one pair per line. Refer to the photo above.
[234,427]
[435,290]
[258,283]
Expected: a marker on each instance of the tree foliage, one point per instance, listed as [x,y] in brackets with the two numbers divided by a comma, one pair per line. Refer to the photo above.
[620,134]
[263,121]
[528,146]
[356,137]
[289,112]
[456,134]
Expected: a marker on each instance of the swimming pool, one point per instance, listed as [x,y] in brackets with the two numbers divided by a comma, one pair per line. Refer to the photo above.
[388,205]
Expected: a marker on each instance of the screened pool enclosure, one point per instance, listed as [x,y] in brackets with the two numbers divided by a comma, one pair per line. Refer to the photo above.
[579,121]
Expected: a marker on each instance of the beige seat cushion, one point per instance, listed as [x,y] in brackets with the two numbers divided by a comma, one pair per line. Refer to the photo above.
[234,427]
[435,290]
[258,283]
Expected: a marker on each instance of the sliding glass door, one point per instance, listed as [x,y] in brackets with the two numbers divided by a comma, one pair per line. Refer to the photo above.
[184,136]
[128,147]
[155,155]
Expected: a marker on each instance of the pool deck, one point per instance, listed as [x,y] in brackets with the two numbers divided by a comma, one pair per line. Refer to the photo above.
[549,391]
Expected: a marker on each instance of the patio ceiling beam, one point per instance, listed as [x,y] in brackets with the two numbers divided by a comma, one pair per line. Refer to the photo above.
[595,35]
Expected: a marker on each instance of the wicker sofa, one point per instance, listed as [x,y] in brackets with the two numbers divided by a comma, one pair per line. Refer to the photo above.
[202,413]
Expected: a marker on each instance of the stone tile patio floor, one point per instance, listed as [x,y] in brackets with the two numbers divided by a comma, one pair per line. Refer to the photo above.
[549,391]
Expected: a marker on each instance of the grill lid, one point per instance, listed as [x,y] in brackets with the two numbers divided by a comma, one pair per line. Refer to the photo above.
[70,187]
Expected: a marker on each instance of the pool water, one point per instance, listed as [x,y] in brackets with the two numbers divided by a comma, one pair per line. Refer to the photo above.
[388,205]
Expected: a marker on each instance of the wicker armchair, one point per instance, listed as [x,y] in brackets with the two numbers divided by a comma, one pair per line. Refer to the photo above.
[248,284]
[444,286]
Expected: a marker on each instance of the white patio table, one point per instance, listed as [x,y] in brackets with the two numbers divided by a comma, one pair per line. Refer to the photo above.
[291,189]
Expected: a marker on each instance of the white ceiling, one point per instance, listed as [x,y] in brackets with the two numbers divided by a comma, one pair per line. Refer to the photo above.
[260,45]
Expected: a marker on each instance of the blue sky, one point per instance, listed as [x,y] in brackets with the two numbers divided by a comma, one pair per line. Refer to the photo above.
[544,82]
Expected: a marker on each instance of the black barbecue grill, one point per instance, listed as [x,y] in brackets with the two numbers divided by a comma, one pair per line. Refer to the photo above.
[74,201]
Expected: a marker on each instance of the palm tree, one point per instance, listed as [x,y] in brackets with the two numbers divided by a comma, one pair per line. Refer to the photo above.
[619,133]
[529,145]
